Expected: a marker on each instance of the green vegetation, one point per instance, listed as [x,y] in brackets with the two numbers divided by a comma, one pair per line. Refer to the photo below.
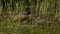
[44,19]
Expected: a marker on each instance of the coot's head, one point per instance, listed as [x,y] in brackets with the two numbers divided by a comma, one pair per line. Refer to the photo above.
[28,13]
